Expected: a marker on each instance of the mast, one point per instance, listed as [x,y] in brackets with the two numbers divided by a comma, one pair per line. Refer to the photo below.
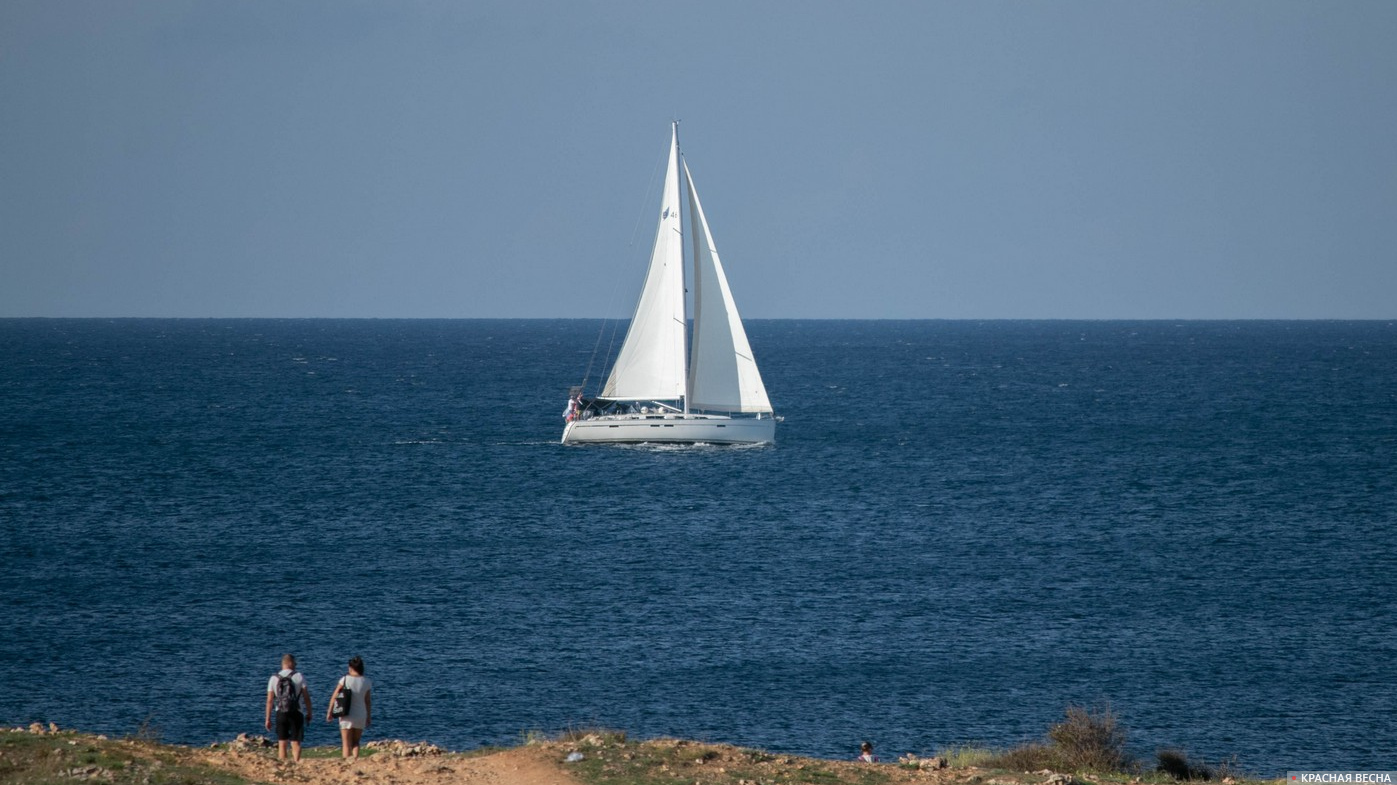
[688,358]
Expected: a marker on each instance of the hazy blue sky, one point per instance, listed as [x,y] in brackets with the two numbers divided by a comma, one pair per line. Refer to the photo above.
[856,159]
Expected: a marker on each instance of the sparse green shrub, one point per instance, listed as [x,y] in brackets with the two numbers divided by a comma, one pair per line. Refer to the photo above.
[696,754]
[147,732]
[962,755]
[1231,769]
[592,734]
[1175,763]
[1083,741]
[1028,757]
[1091,741]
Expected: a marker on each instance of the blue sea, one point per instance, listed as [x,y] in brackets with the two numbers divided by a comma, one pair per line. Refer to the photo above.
[963,528]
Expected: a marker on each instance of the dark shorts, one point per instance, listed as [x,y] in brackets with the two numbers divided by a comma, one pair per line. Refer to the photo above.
[290,726]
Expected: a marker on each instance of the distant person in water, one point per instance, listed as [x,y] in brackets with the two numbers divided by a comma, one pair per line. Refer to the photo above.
[866,753]
[287,691]
[360,714]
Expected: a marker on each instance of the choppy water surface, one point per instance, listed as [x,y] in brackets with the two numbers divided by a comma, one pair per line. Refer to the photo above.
[963,528]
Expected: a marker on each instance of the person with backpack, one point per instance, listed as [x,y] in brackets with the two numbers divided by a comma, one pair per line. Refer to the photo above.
[286,691]
[352,703]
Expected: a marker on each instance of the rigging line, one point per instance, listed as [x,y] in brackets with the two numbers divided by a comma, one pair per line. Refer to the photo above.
[649,189]
[611,342]
[588,375]
[615,325]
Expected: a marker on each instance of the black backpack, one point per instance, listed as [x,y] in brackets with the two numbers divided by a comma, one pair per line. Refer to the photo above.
[287,694]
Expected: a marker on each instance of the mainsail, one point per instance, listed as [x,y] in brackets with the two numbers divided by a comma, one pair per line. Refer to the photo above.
[651,363]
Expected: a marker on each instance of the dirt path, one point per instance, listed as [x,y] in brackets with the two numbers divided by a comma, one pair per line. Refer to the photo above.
[522,766]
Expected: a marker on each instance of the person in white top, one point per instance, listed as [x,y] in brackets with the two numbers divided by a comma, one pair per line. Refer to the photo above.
[287,689]
[360,715]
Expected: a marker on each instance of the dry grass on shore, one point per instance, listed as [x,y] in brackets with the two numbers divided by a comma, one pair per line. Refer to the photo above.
[598,757]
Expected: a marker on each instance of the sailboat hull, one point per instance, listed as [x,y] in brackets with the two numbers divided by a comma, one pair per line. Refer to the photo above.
[670,429]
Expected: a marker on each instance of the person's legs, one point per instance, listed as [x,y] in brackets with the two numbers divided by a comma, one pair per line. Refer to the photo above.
[283,734]
[298,732]
[355,734]
[346,737]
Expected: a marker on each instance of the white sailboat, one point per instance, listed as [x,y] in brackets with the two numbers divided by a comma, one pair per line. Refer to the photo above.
[664,387]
